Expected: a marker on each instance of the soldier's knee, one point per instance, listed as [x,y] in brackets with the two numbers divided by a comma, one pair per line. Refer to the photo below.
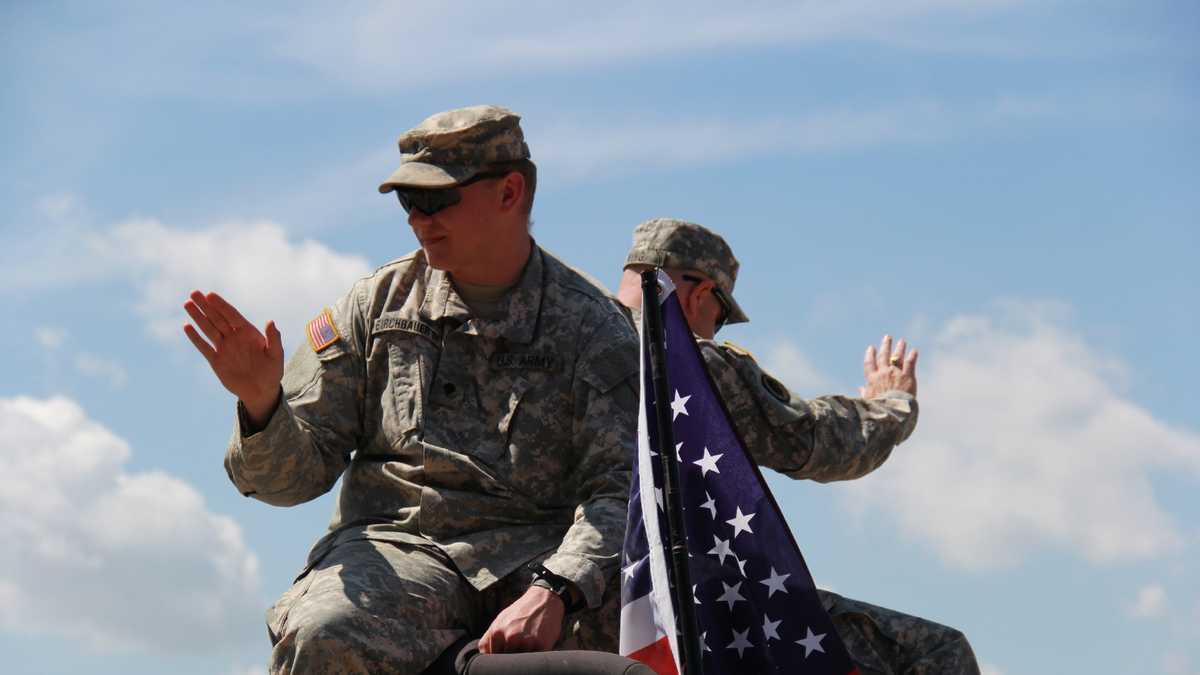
[330,625]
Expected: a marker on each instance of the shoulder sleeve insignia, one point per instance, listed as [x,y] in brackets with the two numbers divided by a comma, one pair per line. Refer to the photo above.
[775,388]
[322,332]
[737,349]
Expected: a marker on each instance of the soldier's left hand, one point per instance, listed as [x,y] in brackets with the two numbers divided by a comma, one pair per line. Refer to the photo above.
[531,624]
[889,369]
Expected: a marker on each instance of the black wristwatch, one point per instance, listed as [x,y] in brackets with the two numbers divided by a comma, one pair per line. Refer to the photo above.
[557,585]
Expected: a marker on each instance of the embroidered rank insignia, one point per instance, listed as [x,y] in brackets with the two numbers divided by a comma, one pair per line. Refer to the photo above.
[322,332]
[740,351]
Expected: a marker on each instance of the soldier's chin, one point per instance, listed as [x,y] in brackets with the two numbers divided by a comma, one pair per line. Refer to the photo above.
[437,255]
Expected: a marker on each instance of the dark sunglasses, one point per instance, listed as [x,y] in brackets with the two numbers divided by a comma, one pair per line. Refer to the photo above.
[431,200]
[726,306]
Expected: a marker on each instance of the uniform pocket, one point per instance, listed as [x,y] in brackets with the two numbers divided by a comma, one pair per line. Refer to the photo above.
[406,390]
[494,443]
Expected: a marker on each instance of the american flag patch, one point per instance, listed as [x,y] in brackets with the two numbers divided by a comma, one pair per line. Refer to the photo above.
[322,332]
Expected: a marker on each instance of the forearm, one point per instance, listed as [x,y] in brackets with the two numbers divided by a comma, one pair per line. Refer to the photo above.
[281,464]
[590,552]
[850,437]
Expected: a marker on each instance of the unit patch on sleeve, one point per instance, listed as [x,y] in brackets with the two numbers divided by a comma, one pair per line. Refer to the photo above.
[322,332]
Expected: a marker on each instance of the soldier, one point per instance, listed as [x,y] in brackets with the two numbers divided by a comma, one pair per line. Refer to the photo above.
[824,439]
[477,399]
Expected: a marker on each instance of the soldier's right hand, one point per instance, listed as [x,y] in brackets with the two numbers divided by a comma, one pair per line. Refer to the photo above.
[248,363]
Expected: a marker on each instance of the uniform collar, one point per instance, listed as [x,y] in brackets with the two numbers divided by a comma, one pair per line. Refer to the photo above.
[519,309]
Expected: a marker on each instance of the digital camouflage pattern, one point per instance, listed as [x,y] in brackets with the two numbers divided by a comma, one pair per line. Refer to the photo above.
[886,642]
[385,607]
[678,244]
[823,439]
[498,441]
[450,147]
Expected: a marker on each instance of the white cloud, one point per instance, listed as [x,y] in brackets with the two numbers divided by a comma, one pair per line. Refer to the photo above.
[789,365]
[253,265]
[989,669]
[1151,602]
[116,559]
[455,41]
[1026,441]
[1177,663]
[50,338]
[578,146]
[98,366]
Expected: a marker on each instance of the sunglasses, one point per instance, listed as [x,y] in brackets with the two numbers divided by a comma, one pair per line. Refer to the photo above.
[726,306]
[431,200]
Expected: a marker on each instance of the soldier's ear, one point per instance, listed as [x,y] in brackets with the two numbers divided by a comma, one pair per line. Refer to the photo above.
[512,193]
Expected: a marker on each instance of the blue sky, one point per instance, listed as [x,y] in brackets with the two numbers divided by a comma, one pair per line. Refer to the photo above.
[1011,185]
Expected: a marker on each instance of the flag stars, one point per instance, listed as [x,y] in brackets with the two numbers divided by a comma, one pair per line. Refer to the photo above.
[678,454]
[741,566]
[731,594]
[721,549]
[740,643]
[708,462]
[774,582]
[679,405]
[740,523]
[711,505]
[770,628]
[704,642]
[811,643]
[629,569]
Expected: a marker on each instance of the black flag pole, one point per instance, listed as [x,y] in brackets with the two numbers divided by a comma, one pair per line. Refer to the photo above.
[689,639]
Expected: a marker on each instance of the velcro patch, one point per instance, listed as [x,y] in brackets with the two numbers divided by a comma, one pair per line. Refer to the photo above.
[524,361]
[386,323]
[322,332]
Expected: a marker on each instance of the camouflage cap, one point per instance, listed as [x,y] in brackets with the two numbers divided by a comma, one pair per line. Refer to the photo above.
[451,147]
[669,242]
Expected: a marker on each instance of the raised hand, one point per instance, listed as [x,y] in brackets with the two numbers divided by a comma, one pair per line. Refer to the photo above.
[888,369]
[248,363]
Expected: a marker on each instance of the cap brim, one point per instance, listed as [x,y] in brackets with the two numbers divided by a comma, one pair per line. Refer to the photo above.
[736,315]
[426,176]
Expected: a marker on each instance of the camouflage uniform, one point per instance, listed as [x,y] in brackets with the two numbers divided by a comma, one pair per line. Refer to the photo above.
[468,447]
[824,439]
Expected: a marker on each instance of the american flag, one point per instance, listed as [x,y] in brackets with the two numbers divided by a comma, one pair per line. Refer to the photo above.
[321,331]
[756,607]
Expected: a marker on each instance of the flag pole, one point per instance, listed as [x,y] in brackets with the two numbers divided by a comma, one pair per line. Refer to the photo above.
[689,640]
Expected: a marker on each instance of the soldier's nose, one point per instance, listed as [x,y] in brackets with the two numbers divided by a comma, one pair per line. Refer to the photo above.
[417,219]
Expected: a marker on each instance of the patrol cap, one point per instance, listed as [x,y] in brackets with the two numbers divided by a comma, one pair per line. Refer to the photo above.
[669,242]
[451,147]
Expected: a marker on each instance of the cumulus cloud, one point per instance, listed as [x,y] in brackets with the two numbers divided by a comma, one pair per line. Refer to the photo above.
[1151,602]
[118,559]
[254,265]
[1025,441]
